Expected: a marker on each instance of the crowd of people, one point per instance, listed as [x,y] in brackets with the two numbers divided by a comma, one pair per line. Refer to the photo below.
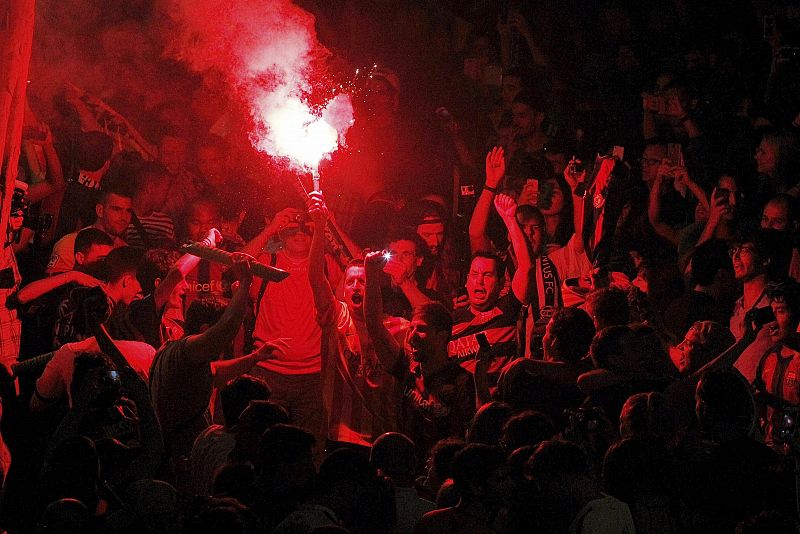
[568,302]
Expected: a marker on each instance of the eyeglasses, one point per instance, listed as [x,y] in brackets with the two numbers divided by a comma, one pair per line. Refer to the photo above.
[291,231]
[649,162]
[744,249]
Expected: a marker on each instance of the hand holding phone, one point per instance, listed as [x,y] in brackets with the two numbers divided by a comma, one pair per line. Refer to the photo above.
[484,354]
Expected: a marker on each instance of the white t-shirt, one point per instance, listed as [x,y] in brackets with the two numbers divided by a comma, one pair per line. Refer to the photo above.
[56,379]
[605,515]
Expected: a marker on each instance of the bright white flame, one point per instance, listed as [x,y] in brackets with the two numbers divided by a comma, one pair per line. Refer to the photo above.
[287,128]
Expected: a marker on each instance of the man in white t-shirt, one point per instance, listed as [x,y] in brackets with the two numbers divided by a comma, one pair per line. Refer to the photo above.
[561,470]
[114,210]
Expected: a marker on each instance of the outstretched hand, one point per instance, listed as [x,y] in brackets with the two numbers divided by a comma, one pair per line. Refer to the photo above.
[495,166]
[269,348]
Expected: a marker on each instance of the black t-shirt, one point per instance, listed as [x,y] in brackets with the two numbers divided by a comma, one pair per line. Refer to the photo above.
[436,406]
[181,392]
[147,319]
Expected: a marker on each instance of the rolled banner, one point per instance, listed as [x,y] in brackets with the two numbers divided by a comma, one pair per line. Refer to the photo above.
[272,274]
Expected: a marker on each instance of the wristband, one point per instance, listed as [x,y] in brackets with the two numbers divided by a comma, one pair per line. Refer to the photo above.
[490,188]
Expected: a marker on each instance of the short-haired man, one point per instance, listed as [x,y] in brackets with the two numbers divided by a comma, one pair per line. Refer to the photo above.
[159,315]
[438,395]
[91,248]
[781,214]
[428,219]
[406,251]
[118,272]
[776,375]
[185,372]
[488,313]
[113,211]
[756,260]
[150,227]
[43,297]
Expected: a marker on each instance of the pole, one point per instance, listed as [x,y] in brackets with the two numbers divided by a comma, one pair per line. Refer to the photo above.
[16,40]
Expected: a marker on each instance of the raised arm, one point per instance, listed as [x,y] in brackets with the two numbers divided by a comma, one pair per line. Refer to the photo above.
[386,347]
[577,183]
[321,288]
[281,219]
[654,213]
[506,207]
[719,207]
[207,347]
[495,169]
[53,173]
[178,272]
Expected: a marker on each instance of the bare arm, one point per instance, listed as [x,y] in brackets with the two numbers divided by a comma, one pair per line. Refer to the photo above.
[206,347]
[519,23]
[413,293]
[38,288]
[729,357]
[386,347]
[281,219]
[577,203]
[54,174]
[520,284]
[495,169]
[321,288]
[654,213]
[178,272]
[224,371]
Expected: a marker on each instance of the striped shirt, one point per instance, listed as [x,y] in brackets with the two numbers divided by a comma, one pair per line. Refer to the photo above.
[360,397]
[159,227]
[500,326]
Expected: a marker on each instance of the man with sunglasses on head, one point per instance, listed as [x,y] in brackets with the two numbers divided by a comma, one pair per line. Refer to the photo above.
[286,310]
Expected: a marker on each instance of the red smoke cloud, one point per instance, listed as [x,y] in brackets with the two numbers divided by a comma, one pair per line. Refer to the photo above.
[268,52]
